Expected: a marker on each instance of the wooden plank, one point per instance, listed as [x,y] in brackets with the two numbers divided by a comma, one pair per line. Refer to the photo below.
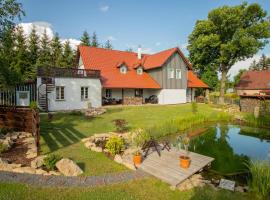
[166,167]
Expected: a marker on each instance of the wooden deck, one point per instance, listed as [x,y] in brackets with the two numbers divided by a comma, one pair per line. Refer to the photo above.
[166,167]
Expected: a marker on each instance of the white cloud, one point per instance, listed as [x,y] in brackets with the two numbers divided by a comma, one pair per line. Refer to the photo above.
[147,51]
[158,44]
[41,27]
[73,42]
[104,8]
[242,65]
[183,46]
[111,38]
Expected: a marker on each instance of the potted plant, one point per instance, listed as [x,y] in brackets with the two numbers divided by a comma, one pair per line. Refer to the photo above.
[185,159]
[137,158]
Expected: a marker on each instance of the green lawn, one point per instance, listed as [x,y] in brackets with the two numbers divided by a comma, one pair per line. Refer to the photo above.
[63,134]
[145,189]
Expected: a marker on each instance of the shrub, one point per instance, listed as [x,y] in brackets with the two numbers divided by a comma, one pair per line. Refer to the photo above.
[3,147]
[51,160]
[5,130]
[33,105]
[194,107]
[115,145]
[139,136]
[121,125]
[260,178]
[76,113]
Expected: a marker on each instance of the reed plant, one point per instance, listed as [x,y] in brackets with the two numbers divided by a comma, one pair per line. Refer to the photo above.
[259,183]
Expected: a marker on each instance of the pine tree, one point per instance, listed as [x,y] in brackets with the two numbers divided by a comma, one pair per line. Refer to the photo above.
[8,76]
[263,62]
[94,40]
[68,56]
[57,50]
[85,39]
[44,59]
[21,62]
[33,48]
[108,45]
[253,65]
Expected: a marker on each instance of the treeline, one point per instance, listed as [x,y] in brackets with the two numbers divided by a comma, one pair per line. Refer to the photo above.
[22,55]
[262,64]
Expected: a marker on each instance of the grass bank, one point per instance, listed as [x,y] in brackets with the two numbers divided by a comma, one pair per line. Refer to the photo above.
[145,189]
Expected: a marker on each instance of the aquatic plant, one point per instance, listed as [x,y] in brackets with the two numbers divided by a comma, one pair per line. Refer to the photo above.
[260,178]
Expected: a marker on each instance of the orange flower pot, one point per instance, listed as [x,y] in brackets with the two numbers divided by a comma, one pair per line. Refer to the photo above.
[137,159]
[184,161]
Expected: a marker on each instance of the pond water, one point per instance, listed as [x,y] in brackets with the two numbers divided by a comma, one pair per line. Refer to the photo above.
[232,146]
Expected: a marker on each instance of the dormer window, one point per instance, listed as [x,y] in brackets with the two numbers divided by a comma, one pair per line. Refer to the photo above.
[123,69]
[140,70]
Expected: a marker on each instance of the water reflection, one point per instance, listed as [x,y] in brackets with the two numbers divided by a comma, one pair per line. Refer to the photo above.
[231,146]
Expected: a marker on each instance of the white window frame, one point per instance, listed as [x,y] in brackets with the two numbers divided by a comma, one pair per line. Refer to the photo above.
[108,93]
[58,93]
[140,70]
[84,93]
[170,72]
[178,74]
[123,69]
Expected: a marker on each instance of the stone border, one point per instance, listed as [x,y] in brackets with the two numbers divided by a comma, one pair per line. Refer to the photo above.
[64,181]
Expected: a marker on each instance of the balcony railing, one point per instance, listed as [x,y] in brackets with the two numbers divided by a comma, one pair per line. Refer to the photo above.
[67,72]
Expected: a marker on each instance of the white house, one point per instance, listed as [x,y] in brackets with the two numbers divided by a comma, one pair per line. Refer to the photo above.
[124,77]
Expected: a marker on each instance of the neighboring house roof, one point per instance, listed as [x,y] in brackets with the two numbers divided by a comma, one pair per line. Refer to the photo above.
[108,62]
[195,82]
[254,80]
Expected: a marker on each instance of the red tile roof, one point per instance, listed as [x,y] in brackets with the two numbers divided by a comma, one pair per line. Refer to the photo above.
[254,80]
[195,82]
[107,62]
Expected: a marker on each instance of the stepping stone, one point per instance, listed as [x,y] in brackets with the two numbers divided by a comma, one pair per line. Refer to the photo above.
[227,184]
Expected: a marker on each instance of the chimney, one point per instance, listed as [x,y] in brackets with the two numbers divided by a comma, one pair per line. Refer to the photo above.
[139,54]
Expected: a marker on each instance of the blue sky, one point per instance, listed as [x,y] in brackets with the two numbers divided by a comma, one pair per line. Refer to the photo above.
[155,24]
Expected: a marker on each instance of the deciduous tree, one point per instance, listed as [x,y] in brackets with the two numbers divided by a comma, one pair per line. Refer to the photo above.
[228,35]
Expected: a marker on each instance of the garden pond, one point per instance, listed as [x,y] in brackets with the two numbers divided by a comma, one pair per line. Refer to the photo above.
[232,146]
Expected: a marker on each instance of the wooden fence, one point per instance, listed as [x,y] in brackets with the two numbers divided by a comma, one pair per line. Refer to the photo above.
[21,119]
[8,97]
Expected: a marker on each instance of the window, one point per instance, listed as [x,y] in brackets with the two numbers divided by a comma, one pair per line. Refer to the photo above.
[170,72]
[108,93]
[123,70]
[60,93]
[84,93]
[138,92]
[139,71]
[178,74]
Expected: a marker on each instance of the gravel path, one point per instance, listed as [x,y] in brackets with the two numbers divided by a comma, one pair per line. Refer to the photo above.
[64,181]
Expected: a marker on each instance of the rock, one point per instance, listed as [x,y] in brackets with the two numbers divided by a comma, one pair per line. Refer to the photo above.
[93,112]
[239,189]
[5,167]
[194,181]
[54,173]
[96,149]
[127,160]
[31,154]
[37,162]
[88,145]
[118,159]
[28,170]
[102,135]
[40,171]
[29,140]
[2,161]
[68,167]
[131,151]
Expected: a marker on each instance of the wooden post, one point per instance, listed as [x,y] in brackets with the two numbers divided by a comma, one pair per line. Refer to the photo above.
[122,96]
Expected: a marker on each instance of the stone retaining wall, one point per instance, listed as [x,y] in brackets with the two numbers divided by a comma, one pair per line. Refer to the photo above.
[247,104]
[20,119]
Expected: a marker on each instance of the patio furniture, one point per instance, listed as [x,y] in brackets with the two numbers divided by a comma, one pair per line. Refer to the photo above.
[148,145]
